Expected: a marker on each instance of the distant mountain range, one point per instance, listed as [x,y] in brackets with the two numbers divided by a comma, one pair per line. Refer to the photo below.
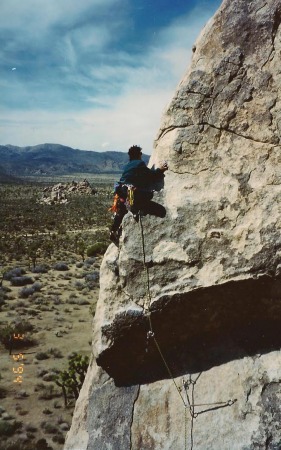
[56,159]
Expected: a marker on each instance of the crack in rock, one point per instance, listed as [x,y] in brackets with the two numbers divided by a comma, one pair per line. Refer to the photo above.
[132,419]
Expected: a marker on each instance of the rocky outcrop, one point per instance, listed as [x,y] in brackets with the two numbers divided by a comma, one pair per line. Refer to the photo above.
[59,193]
[209,377]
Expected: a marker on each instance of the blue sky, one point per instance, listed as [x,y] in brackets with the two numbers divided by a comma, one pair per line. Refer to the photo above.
[93,74]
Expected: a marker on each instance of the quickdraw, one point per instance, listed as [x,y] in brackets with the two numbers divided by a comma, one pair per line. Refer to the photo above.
[130,195]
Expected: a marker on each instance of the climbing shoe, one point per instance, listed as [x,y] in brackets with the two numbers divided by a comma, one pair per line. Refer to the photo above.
[136,216]
[114,237]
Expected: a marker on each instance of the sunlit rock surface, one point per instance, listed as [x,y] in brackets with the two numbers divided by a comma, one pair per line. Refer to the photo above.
[214,263]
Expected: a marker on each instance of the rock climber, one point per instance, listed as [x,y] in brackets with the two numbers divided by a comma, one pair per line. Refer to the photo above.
[134,191]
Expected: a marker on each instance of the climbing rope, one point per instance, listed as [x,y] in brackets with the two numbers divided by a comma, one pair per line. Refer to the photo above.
[147,310]
[185,428]
[189,403]
[152,334]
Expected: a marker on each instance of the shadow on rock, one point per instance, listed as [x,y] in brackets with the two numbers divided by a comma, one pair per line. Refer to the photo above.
[195,331]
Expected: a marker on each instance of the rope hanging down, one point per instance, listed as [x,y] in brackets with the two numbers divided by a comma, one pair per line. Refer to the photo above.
[147,310]
[188,404]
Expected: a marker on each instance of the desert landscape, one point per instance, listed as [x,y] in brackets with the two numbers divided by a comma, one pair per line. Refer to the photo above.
[51,246]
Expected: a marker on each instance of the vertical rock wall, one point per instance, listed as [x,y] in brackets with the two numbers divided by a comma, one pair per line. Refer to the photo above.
[213,264]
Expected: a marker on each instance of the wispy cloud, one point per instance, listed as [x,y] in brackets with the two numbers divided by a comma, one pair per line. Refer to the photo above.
[77,83]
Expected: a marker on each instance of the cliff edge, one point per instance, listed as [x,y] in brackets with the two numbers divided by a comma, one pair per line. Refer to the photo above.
[186,337]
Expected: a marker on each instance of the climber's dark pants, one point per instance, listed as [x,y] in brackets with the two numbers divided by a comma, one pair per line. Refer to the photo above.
[122,210]
[141,200]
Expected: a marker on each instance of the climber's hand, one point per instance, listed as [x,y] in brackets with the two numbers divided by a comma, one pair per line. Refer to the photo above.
[163,166]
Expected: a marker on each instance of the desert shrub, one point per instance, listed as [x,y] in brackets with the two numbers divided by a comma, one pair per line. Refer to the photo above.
[20,304]
[79,275]
[8,331]
[72,301]
[19,444]
[49,427]
[66,276]
[42,444]
[92,309]
[27,291]
[31,428]
[55,352]
[33,312]
[6,289]
[41,301]
[37,286]
[82,301]
[58,438]
[59,319]
[3,297]
[23,326]
[21,394]
[98,248]
[3,392]
[41,356]
[41,372]
[55,300]
[89,261]
[21,281]
[79,285]
[94,276]
[23,412]
[92,279]
[9,428]
[56,404]
[61,266]
[47,392]
[50,376]
[16,272]
[79,265]
[42,268]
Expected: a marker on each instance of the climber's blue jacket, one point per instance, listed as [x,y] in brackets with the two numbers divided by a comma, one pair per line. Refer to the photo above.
[140,176]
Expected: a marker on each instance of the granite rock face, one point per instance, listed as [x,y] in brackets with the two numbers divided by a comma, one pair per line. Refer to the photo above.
[214,264]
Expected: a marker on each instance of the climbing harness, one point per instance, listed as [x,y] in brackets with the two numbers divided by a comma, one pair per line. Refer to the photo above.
[124,195]
[189,402]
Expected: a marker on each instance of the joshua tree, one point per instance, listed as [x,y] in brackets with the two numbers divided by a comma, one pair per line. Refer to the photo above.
[33,251]
[81,247]
[71,380]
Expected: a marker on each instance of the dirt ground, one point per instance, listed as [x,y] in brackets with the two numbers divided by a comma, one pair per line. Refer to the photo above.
[61,312]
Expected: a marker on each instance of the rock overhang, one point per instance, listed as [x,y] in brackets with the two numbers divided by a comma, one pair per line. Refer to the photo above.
[194,330]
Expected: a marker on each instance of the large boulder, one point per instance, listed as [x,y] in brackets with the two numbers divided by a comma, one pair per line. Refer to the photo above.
[196,317]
